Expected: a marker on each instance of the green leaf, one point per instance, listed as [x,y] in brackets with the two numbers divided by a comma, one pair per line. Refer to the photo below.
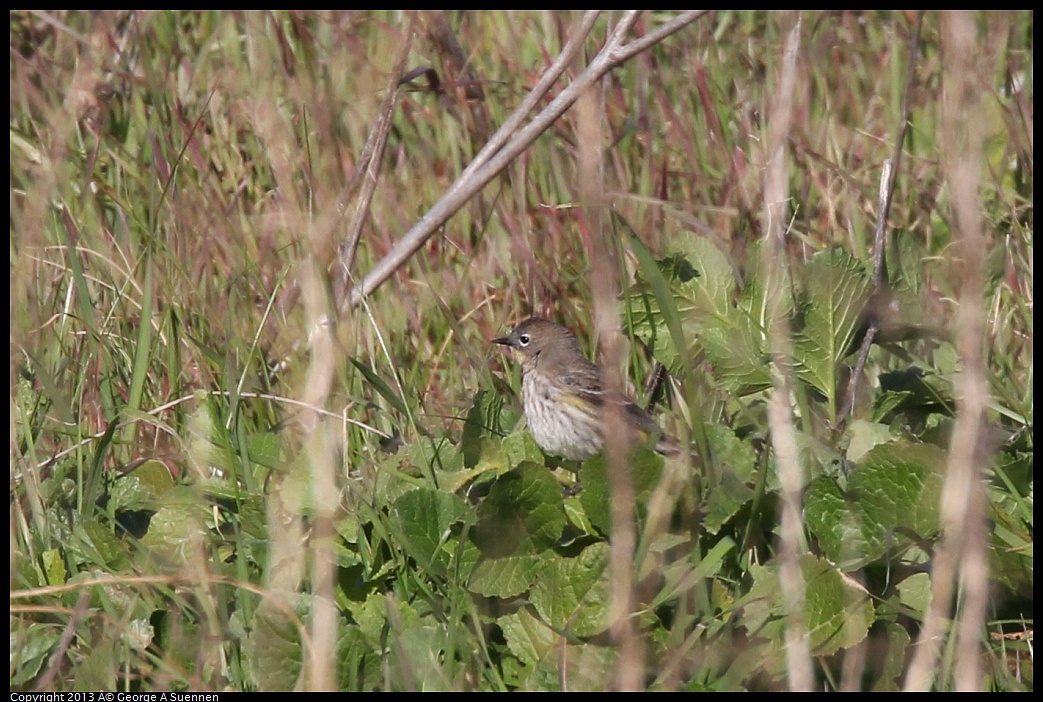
[418,650]
[704,287]
[264,448]
[914,593]
[864,436]
[921,392]
[143,346]
[571,594]
[94,544]
[736,343]
[891,502]
[274,648]
[177,528]
[155,477]
[645,468]
[682,576]
[96,476]
[723,500]
[482,449]
[527,637]
[371,617]
[899,486]
[649,270]
[887,402]
[481,427]
[835,522]
[508,576]
[32,645]
[522,514]
[837,611]
[424,518]
[892,665]
[129,492]
[837,291]
[382,388]
[359,664]
[54,567]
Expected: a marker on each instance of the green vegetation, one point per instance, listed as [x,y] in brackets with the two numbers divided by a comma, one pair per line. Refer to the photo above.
[221,479]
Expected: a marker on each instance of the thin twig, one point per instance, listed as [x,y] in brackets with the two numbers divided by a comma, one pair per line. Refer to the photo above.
[657,35]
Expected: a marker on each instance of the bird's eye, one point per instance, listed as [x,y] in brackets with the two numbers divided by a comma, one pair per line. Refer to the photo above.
[523,339]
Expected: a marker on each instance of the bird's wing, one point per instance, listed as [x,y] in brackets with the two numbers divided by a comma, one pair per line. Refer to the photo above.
[642,419]
[586,382]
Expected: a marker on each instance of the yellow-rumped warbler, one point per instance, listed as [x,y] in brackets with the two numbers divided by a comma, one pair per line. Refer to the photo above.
[563,396]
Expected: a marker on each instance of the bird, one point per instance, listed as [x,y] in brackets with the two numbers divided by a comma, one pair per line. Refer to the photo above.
[563,397]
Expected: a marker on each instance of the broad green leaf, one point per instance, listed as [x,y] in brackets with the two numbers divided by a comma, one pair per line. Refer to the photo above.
[724,500]
[886,402]
[522,514]
[835,522]
[737,460]
[265,448]
[54,567]
[914,593]
[417,650]
[645,470]
[571,594]
[424,518]
[837,290]
[736,344]
[177,528]
[32,645]
[704,290]
[481,426]
[579,667]
[129,492]
[359,664]
[837,611]
[94,544]
[893,663]
[155,477]
[527,637]
[864,436]
[508,576]
[274,646]
[891,501]
[371,617]
[898,486]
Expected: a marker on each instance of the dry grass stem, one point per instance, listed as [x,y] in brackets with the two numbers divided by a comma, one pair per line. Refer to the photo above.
[780,413]
[961,561]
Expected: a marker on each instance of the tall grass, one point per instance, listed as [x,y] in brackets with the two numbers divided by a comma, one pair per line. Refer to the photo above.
[229,472]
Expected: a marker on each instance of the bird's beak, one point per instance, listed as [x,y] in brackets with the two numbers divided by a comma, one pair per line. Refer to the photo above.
[504,341]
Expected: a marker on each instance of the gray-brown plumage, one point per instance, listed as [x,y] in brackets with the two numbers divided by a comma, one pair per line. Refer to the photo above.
[563,396]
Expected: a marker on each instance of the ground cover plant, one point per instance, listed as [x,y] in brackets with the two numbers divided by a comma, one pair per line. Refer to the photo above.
[261,439]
